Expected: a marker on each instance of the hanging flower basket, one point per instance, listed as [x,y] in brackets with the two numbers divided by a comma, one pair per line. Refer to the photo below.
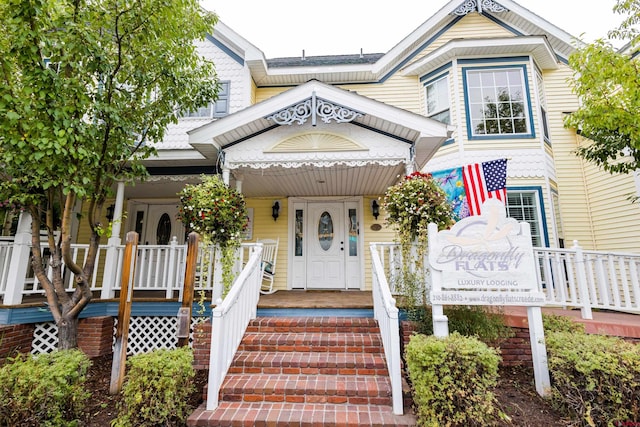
[415,202]
[410,206]
[219,215]
[213,210]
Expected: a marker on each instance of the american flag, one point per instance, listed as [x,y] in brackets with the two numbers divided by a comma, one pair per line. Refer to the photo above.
[482,181]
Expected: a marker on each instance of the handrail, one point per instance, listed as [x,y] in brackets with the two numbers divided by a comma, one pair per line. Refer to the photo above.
[386,314]
[229,321]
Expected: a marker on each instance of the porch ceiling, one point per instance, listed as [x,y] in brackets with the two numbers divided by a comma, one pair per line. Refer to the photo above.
[310,181]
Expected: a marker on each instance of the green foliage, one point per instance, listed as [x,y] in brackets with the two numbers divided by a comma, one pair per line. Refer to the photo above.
[595,378]
[218,213]
[44,390]
[214,210]
[607,83]
[452,380]
[555,323]
[156,389]
[477,321]
[415,202]
[87,88]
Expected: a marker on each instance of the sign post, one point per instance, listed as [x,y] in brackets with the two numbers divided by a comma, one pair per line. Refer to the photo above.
[488,260]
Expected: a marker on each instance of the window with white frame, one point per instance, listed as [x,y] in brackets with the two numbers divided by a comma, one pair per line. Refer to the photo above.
[437,95]
[524,205]
[218,108]
[497,101]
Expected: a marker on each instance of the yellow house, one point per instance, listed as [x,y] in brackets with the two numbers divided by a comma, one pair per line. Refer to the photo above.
[322,138]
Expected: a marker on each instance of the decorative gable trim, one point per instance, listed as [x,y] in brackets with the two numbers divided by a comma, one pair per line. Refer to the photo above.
[313,108]
[470,6]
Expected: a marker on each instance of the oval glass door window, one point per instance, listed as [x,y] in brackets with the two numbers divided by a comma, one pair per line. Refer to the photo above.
[325,230]
[163,232]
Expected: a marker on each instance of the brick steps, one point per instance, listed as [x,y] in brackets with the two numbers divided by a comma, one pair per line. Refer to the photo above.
[306,371]
[367,390]
[325,363]
[316,342]
[308,415]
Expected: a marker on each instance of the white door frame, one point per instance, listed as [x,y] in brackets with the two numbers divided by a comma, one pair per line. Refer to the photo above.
[297,267]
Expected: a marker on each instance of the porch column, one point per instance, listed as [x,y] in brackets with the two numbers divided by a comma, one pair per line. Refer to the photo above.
[408,168]
[109,278]
[19,265]
[225,175]
[239,178]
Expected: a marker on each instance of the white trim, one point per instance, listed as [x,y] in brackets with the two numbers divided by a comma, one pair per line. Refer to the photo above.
[536,46]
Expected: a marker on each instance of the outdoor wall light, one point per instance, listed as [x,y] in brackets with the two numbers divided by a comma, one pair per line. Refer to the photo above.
[275,210]
[375,208]
[110,210]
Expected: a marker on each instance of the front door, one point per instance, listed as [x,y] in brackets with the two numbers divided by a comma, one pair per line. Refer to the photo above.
[325,264]
[326,245]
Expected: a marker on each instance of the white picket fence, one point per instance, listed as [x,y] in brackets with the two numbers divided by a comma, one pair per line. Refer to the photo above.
[569,278]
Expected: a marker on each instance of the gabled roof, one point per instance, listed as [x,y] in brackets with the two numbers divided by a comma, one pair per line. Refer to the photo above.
[342,69]
[424,134]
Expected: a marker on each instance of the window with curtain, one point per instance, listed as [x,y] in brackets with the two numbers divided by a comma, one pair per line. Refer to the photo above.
[437,96]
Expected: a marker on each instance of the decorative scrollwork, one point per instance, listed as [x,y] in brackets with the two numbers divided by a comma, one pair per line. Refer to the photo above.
[473,6]
[493,6]
[314,107]
[328,111]
[296,113]
[467,7]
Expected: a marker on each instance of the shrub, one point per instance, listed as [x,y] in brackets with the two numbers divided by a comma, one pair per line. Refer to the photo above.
[452,380]
[156,389]
[595,378]
[47,389]
[555,323]
[477,321]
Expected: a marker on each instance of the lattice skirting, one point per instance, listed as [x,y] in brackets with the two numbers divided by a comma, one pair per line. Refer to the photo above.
[146,333]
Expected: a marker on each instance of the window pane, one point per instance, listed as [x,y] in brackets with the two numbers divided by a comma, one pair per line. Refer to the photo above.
[523,206]
[353,233]
[299,233]
[325,230]
[497,94]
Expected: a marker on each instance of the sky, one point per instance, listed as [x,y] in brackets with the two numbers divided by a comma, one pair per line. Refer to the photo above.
[281,28]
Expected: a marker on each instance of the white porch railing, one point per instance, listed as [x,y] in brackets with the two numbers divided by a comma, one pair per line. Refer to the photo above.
[229,321]
[568,277]
[386,313]
[159,268]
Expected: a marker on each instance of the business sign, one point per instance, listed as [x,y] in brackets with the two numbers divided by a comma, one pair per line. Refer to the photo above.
[485,260]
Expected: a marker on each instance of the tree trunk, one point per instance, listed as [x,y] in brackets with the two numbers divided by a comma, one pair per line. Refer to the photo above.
[67,332]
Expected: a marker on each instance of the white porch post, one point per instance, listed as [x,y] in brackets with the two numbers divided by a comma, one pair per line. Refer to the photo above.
[111,261]
[239,178]
[19,261]
[408,168]
[226,175]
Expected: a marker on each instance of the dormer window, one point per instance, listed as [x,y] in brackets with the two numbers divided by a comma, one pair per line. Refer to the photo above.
[497,100]
[437,96]
[219,108]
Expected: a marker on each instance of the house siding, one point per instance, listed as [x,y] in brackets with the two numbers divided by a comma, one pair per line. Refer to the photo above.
[570,174]
[471,26]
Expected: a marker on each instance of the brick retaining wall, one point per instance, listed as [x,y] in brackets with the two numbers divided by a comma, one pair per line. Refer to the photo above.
[15,339]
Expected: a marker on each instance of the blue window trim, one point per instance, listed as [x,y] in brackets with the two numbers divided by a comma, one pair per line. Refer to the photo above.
[436,74]
[470,136]
[538,190]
